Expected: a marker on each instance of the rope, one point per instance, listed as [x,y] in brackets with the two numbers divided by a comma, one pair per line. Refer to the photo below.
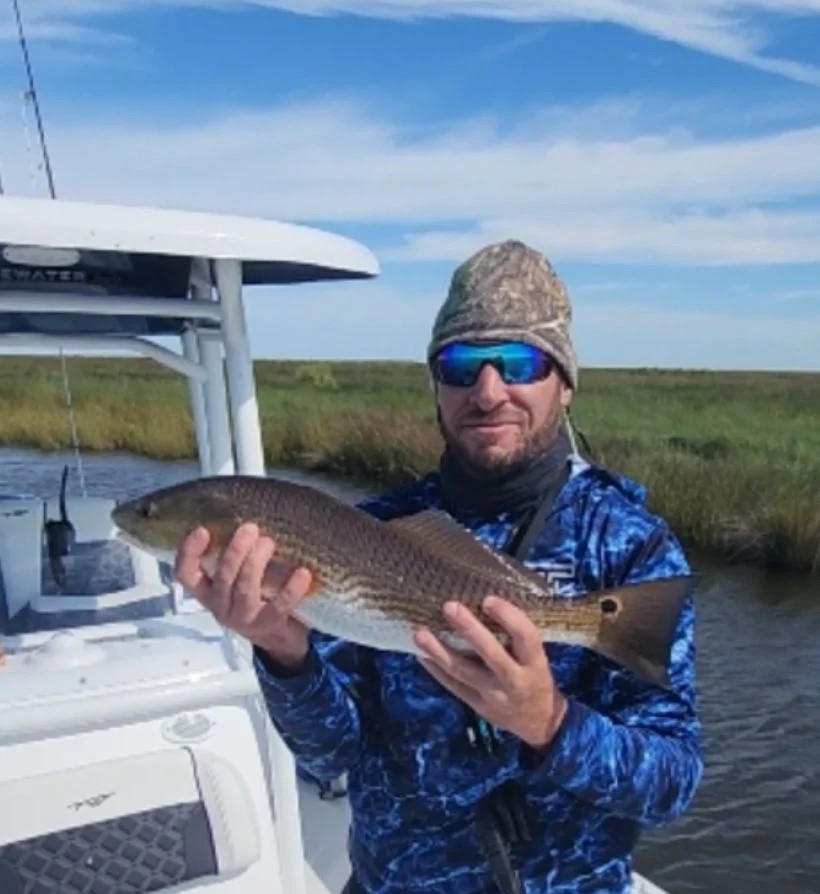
[75,441]
[573,430]
[570,429]
[32,166]
[32,95]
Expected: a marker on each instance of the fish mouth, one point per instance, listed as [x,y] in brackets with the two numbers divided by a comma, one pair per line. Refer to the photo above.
[159,553]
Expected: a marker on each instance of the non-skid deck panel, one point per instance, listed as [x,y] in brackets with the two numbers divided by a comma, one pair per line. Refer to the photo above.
[135,854]
[92,568]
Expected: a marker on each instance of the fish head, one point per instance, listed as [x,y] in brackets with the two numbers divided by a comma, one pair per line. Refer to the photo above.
[160,520]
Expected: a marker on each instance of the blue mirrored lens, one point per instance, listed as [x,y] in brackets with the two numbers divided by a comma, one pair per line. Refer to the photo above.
[517,363]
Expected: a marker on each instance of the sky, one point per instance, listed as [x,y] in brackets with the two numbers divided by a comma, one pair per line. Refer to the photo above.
[664,156]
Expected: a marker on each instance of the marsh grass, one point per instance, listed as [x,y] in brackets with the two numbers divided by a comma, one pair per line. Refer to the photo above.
[732,460]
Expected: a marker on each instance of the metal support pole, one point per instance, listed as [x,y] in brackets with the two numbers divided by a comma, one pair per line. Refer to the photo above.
[196,391]
[250,460]
[239,369]
[116,343]
[216,402]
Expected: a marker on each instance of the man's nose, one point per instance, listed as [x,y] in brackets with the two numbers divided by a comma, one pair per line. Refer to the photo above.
[489,389]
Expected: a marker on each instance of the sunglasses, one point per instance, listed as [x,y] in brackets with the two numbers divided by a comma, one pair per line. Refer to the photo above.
[459,364]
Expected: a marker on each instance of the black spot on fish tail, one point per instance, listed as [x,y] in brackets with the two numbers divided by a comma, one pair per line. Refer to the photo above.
[638,623]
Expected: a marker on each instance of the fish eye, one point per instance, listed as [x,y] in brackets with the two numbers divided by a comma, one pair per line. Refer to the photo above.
[609,606]
[149,509]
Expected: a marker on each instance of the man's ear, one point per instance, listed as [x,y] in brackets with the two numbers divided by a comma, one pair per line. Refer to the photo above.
[566,395]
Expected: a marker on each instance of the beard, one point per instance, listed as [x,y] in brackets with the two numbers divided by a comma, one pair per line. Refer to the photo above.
[482,464]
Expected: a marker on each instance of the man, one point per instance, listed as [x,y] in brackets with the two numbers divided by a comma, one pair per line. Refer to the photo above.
[532,768]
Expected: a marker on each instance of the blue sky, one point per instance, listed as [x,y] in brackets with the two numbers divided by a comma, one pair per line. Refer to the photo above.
[665,156]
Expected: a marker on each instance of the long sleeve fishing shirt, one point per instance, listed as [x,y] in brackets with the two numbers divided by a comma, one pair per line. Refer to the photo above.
[626,756]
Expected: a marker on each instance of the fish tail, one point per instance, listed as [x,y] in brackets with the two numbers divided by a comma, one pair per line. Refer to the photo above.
[638,622]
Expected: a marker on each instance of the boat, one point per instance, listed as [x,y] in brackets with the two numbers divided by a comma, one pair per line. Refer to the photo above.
[134,742]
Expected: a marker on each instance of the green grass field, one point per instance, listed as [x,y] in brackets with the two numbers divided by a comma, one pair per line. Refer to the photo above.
[732,460]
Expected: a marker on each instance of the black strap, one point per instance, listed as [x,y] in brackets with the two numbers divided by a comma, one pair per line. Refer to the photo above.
[522,540]
[504,821]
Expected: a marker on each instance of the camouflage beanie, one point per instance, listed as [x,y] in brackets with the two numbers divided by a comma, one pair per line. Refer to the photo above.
[508,291]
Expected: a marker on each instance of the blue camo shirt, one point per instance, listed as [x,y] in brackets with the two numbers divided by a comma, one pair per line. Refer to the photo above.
[626,756]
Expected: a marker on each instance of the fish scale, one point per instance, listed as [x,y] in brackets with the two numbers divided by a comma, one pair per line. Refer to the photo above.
[376,582]
[404,565]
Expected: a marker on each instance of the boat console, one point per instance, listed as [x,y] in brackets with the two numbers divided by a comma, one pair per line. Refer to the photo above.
[135,750]
[105,579]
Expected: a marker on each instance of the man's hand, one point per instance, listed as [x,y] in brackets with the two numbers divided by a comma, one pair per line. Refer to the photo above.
[511,690]
[249,591]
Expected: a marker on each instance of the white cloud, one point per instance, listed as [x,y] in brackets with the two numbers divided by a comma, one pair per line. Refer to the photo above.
[642,196]
[724,28]
[62,32]
[591,184]
[638,235]
[623,333]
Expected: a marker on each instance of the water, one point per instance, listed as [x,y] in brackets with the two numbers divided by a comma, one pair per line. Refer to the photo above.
[754,827]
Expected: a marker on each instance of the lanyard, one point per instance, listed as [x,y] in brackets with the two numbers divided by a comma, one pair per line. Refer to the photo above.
[504,821]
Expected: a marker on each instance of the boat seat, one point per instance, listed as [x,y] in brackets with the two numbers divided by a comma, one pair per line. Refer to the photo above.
[91,517]
[106,579]
[159,821]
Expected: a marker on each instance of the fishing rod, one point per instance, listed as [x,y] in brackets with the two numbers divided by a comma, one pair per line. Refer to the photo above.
[32,95]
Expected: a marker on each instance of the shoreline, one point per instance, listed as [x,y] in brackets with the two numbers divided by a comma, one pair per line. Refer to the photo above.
[735,541]
[730,460]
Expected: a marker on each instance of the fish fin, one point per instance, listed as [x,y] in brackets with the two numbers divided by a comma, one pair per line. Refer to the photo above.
[638,622]
[441,534]
[316,585]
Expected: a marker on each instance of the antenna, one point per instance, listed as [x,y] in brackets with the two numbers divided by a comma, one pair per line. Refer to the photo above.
[32,95]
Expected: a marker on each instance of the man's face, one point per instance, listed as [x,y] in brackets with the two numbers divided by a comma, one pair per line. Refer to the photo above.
[492,426]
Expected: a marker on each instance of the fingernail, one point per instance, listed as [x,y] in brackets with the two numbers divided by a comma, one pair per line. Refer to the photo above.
[490,603]
[451,610]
